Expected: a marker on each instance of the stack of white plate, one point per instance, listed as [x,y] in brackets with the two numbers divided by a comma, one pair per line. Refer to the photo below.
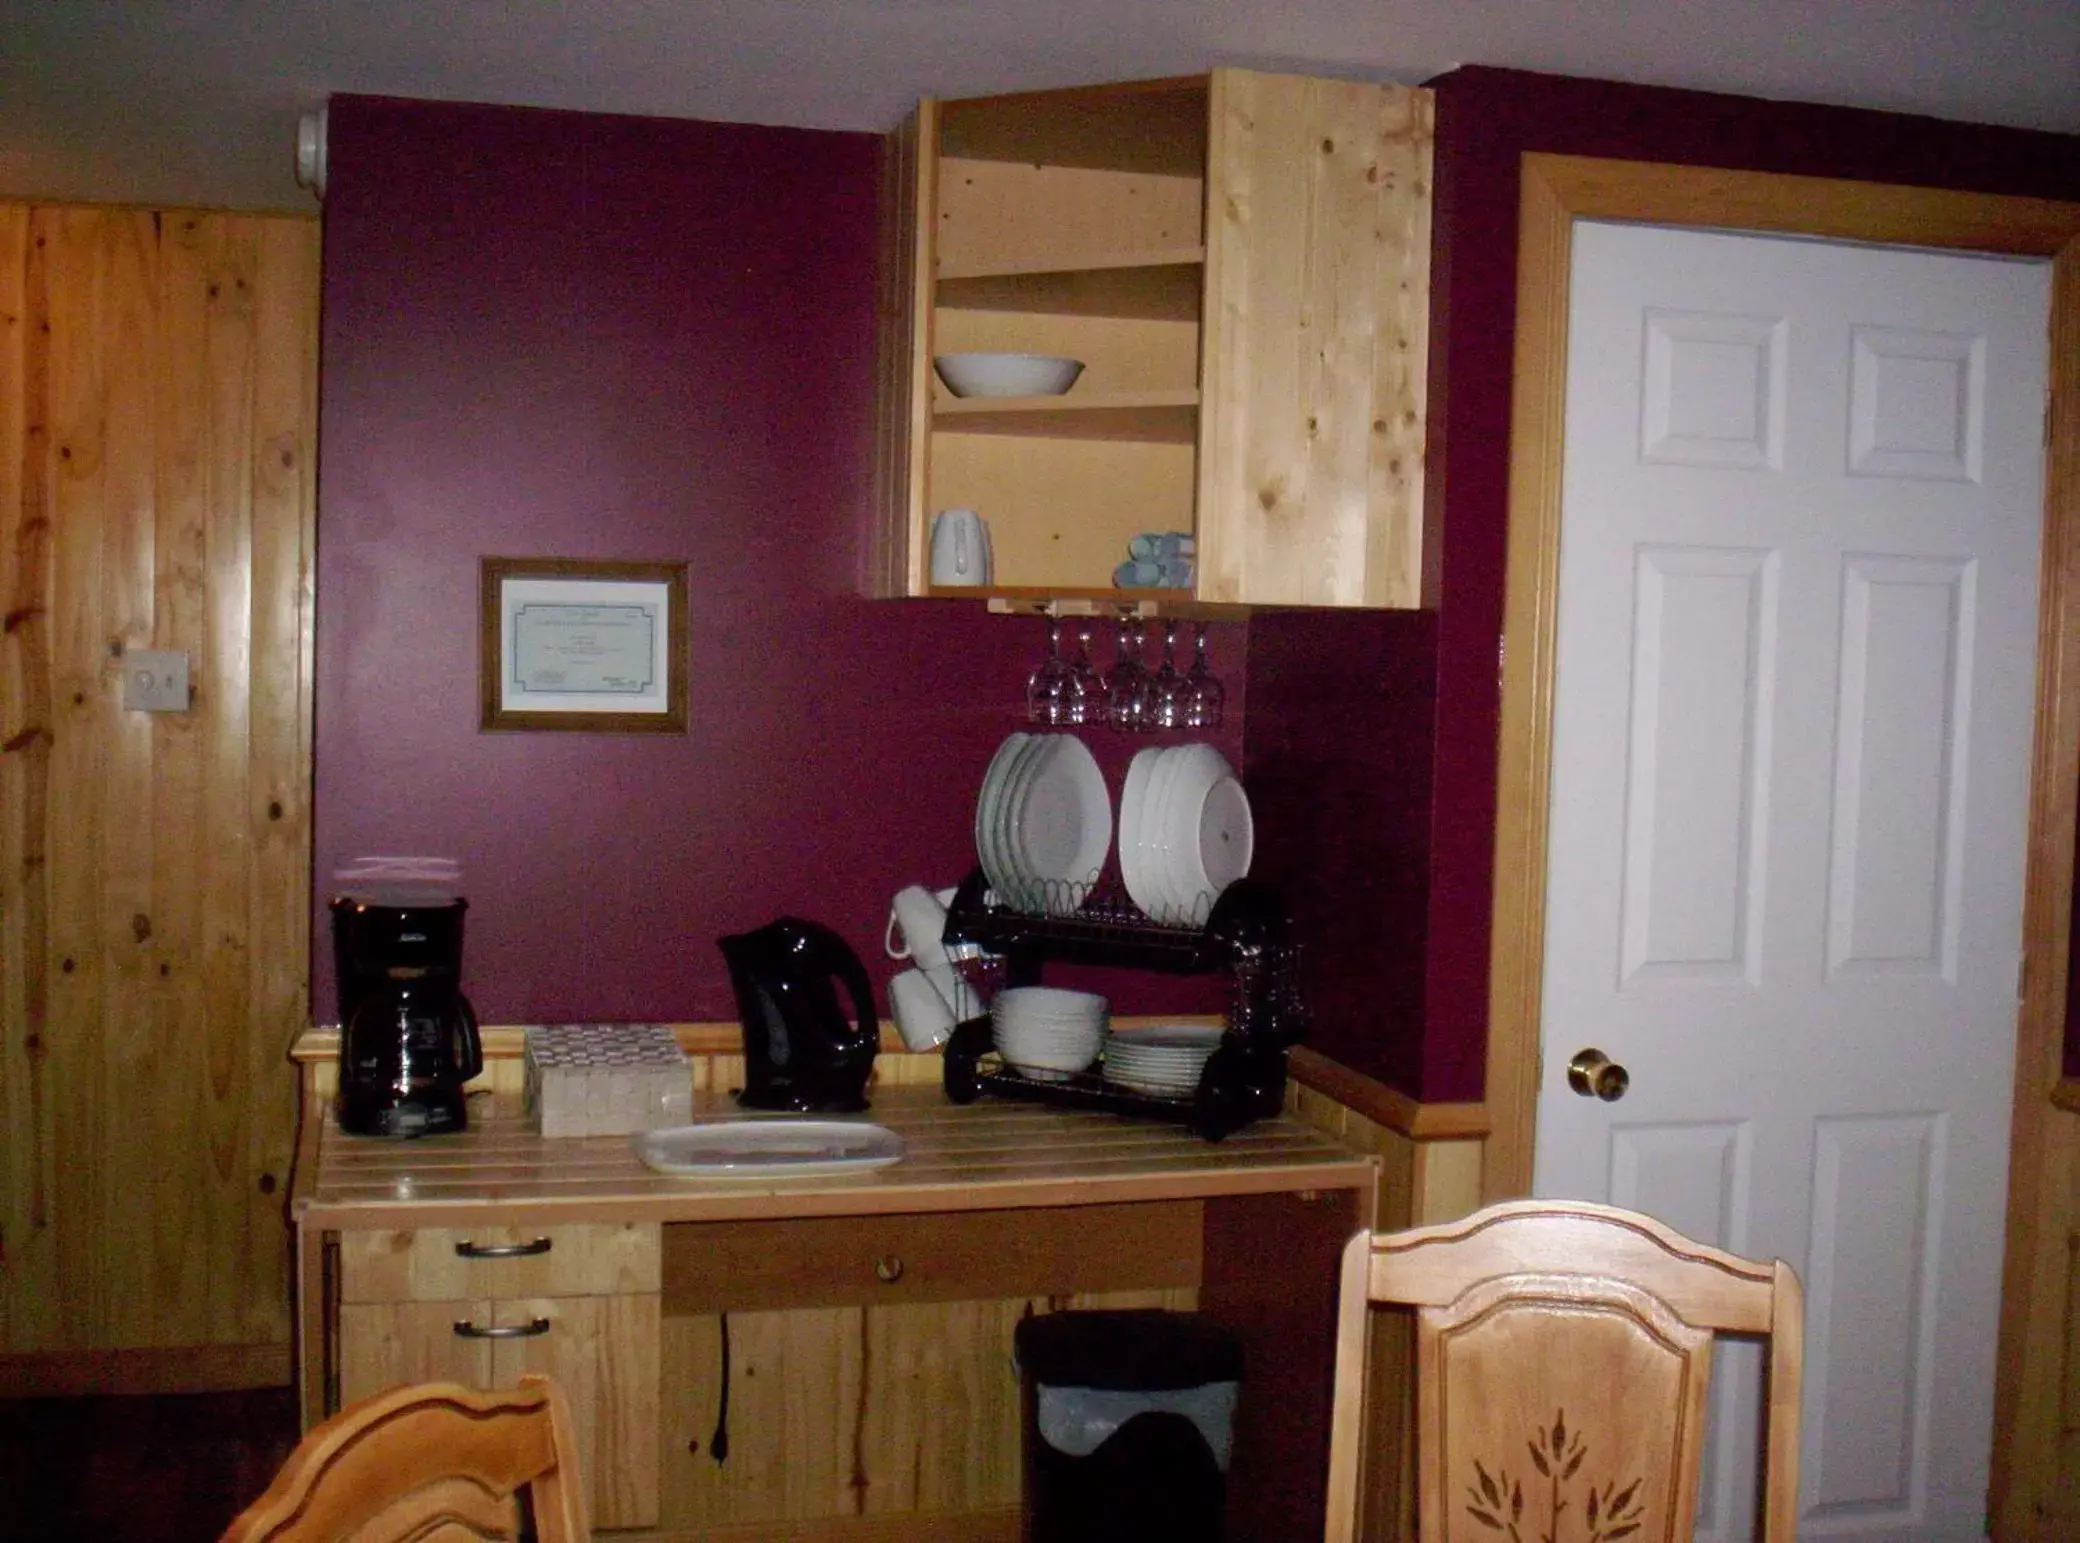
[1185,832]
[1047,1033]
[1164,1059]
[1043,822]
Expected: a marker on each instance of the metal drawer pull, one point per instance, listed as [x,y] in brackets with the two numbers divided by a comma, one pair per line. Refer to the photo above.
[464,1329]
[888,1268]
[469,1250]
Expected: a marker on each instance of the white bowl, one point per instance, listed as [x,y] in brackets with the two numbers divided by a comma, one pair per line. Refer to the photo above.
[1007,374]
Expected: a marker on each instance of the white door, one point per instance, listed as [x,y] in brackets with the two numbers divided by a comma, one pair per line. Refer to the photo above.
[1796,665]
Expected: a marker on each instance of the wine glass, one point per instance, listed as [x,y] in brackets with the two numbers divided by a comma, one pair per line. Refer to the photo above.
[1168,698]
[1127,688]
[1204,696]
[1084,695]
[1047,686]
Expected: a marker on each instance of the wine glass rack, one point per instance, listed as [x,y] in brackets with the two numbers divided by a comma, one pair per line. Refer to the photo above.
[1246,936]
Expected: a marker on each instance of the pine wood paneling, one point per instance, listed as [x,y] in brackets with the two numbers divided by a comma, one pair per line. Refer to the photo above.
[1317,341]
[157,424]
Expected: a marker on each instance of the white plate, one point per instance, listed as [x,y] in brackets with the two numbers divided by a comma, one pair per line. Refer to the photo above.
[1062,825]
[1155,862]
[1204,838]
[1038,749]
[1133,828]
[768,1148]
[1223,837]
[986,806]
[1012,885]
[1168,1036]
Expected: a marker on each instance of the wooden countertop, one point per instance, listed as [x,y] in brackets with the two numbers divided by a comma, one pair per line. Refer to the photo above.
[993,1154]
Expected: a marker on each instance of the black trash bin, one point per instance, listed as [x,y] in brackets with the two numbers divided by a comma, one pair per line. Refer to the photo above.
[1129,1421]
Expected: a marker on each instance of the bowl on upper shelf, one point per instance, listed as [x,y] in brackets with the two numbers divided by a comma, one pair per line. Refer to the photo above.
[1007,374]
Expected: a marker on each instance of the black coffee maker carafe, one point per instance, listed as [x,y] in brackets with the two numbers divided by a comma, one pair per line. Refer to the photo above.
[800,1051]
[408,1036]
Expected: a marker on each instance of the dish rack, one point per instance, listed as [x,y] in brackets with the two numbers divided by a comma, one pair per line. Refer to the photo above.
[1246,935]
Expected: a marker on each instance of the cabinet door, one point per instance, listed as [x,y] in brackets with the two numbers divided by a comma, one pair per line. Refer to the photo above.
[382,1344]
[604,1352]
[1316,341]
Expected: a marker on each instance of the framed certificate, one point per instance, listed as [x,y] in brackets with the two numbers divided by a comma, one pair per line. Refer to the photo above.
[572,644]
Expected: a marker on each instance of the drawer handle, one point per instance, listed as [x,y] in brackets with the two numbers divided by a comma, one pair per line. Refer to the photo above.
[469,1250]
[888,1269]
[464,1329]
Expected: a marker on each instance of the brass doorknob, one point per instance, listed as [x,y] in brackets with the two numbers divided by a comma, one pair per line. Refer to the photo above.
[1595,1075]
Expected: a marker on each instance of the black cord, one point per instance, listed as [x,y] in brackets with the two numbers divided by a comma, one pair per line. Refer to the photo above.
[718,1444]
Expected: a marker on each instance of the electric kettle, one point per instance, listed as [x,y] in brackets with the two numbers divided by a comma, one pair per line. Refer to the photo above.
[800,1050]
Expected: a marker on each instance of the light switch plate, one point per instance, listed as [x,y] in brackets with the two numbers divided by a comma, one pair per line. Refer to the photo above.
[155,680]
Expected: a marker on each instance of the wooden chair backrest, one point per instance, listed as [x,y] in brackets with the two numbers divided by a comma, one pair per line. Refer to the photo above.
[425,1461]
[1562,1356]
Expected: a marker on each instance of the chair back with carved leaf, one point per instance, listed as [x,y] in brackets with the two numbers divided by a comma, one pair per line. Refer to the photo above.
[1563,1351]
[429,1460]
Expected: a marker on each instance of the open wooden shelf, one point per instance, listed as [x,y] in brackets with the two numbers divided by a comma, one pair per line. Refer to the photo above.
[1152,417]
[1240,261]
[1161,285]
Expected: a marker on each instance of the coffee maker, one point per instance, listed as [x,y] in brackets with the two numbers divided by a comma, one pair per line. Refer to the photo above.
[408,1036]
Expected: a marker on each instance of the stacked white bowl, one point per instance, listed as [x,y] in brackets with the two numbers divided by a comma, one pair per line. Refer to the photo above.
[1047,1033]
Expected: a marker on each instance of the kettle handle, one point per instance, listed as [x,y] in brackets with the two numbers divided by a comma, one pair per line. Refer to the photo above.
[469,1041]
[854,974]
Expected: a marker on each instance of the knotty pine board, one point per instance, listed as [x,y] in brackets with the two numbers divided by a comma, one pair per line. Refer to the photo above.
[157,436]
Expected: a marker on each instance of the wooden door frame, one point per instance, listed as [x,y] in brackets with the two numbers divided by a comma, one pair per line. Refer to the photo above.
[1557,191]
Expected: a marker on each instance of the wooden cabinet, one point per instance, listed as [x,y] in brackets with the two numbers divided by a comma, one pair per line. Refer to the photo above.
[480,1306]
[828,1358]
[1241,261]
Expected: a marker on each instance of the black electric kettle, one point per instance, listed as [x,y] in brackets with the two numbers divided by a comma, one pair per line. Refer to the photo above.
[800,1050]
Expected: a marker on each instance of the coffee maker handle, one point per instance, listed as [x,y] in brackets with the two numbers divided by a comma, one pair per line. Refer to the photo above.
[471,1043]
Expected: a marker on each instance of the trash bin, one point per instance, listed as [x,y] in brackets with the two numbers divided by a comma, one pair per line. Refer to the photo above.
[1130,1416]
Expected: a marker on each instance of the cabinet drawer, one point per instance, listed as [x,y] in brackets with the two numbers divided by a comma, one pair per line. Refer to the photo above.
[940,1257]
[602,1350]
[429,1264]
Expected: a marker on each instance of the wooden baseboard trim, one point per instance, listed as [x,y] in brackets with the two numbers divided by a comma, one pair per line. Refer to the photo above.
[1384,1105]
[172,1369]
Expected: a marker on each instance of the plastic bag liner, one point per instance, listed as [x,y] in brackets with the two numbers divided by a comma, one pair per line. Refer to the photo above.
[1077,1421]
[1094,1371]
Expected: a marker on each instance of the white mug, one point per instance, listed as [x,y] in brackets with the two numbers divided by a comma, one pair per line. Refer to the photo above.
[960,547]
[926,1004]
[916,924]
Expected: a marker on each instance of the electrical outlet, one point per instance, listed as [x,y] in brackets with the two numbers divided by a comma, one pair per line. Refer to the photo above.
[155,680]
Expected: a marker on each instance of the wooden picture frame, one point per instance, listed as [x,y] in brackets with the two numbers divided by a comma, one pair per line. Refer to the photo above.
[576,645]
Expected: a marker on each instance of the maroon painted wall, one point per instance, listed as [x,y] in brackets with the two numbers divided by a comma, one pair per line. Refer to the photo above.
[1434,948]
[1342,715]
[555,334]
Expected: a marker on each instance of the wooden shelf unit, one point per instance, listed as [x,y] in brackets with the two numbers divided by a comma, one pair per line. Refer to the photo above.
[1280,421]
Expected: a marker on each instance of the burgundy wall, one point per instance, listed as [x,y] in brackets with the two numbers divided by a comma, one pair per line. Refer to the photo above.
[1342,715]
[1434,949]
[554,334]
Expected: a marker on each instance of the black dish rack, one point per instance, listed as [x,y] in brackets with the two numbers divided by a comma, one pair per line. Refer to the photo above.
[1246,935]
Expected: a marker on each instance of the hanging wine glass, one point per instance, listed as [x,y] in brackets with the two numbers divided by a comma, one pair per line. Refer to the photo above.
[1168,700]
[1204,696]
[1127,688]
[1047,685]
[1083,698]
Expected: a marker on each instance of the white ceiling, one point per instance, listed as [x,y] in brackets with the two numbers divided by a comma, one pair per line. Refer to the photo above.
[196,101]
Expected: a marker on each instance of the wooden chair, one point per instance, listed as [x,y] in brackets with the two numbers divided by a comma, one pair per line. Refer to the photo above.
[429,1460]
[1562,1355]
